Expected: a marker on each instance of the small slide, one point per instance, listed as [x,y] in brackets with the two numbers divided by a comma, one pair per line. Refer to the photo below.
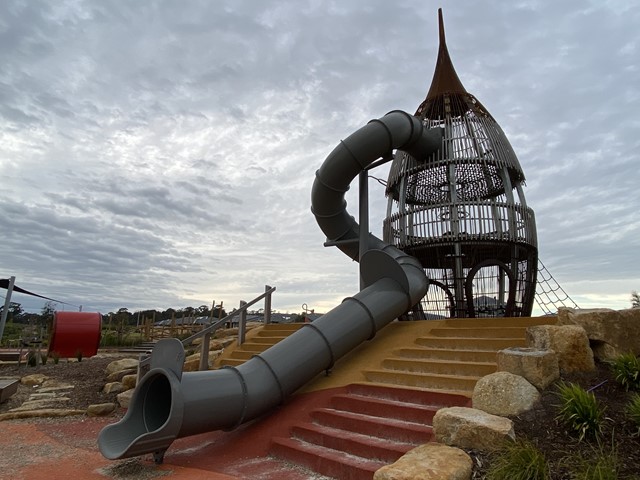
[168,404]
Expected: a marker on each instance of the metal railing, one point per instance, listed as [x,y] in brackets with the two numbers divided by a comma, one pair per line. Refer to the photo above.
[207,332]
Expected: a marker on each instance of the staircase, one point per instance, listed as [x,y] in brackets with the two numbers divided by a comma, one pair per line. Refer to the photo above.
[363,429]
[453,357]
[259,341]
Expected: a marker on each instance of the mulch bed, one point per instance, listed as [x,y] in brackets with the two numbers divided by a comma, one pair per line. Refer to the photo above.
[88,377]
[540,426]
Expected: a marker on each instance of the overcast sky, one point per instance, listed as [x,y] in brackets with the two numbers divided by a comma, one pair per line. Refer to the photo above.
[159,154]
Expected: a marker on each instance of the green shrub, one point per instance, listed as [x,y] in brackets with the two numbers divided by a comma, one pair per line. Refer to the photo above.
[633,410]
[626,371]
[580,411]
[520,460]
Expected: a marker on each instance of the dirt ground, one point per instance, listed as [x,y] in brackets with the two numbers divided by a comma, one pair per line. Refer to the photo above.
[87,376]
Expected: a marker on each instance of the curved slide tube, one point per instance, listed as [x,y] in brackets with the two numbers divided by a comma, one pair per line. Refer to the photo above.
[168,404]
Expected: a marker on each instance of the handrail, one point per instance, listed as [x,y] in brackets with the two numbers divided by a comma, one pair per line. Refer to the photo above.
[145,359]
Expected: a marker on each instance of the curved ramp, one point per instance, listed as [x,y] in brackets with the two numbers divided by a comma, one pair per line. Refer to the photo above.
[168,404]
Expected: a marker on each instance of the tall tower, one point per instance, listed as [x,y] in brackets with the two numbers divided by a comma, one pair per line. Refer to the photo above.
[462,213]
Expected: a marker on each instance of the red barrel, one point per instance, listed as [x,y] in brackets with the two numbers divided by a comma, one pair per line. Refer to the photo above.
[75,333]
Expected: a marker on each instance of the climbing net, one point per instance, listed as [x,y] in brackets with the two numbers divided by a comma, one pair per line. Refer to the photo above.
[549,294]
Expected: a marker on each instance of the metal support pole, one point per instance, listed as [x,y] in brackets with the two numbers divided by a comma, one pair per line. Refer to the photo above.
[242,326]
[267,306]
[204,352]
[7,303]
[363,217]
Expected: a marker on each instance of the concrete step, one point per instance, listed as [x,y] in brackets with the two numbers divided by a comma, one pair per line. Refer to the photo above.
[470,343]
[267,340]
[375,407]
[461,384]
[392,429]
[442,367]
[407,395]
[350,443]
[446,354]
[479,332]
[326,461]
[500,322]
[280,329]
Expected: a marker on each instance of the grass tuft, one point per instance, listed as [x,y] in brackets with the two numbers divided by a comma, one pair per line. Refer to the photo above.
[520,460]
[626,371]
[633,410]
[580,411]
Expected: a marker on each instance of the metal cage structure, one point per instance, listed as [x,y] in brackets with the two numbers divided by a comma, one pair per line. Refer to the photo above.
[462,212]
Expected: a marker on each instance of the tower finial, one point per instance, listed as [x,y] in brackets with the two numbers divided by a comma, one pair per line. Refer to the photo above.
[445,78]
[441,27]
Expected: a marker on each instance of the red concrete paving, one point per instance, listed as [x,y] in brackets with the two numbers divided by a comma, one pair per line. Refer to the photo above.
[66,449]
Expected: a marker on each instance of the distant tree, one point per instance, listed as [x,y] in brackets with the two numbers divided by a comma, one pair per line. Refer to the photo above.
[48,309]
[635,299]
[13,312]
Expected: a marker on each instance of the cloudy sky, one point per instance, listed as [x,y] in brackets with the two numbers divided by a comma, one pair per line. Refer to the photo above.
[159,154]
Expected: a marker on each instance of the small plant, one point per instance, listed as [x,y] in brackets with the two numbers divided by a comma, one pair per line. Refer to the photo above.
[633,410]
[55,356]
[79,355]
[580,411]
[520,460]
[43,358]
[626,370]
[32,358]
[601,464]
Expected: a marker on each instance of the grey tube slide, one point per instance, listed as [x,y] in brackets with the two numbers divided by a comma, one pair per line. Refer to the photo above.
[168,404]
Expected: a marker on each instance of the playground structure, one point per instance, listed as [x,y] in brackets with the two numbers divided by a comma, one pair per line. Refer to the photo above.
[457,220]
[463,213]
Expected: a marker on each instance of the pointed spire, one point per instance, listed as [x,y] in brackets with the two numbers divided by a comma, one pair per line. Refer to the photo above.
[445,78]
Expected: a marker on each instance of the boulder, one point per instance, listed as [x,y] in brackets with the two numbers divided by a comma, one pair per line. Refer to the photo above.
[100,409]
[472,428]
[539,367]
[192,362]
[129,381]
[570,343]
[432,461]
[33,380]
[117,376]
[610,332]
[124,398]
[122,364]
[504,394]
[113,387]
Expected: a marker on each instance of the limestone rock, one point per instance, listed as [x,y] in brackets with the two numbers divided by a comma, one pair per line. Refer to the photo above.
[129,381]
[539,367]
[124,398]
[122,364]
[570,343]
[432,461]
[34,379]
[100,409]
[192,362]
[41,412]
[113,387]
[610,332]
[472,428]
[117,376]
[504,394]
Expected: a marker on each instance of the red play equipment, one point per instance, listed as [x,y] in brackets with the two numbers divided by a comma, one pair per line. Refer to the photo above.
[75,333]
